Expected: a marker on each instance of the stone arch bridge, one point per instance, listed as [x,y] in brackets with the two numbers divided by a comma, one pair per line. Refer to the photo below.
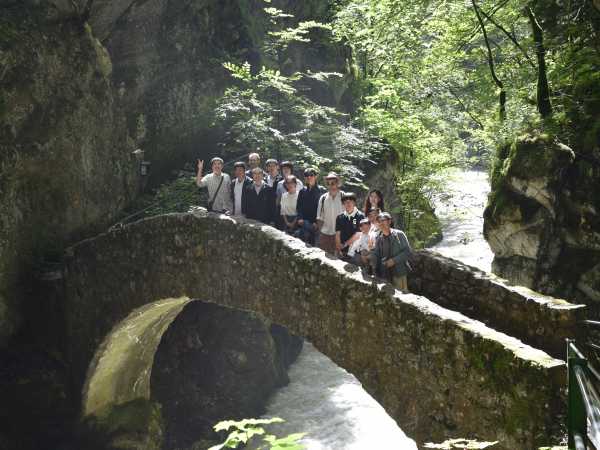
[436,371]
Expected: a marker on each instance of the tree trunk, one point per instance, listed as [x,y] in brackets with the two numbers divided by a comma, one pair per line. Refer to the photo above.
[543,90]
[502,96]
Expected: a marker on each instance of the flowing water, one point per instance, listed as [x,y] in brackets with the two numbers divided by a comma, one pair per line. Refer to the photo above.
[332,408]
[460,209]
[329,404]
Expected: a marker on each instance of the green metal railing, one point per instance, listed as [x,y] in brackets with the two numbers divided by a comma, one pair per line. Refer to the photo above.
[583,414]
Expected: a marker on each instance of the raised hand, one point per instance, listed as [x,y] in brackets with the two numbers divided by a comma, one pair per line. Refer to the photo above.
[200,165]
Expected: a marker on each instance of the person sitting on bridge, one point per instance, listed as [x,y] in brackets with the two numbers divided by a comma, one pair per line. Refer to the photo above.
[238,186]
[391,253]
[359,250]
[347,224]
[218,184]
[308,200]
[259,199]
[289,200]
[329,208]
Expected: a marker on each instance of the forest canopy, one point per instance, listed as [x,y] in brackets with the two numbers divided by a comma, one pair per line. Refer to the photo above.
[434,84]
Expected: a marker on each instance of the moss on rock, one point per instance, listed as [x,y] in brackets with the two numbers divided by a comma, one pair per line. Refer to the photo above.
[134,425]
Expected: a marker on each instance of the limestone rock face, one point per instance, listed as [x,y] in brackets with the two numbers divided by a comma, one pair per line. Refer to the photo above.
[542,219]
[65,155]
[216,363]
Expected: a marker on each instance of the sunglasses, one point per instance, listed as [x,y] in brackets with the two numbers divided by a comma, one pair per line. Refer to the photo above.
[331,183]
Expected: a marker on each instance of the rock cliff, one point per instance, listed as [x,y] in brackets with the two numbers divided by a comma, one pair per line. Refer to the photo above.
[65,154]
[542,220]
[85,83]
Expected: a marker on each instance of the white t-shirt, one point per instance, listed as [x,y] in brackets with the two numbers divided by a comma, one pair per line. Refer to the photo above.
[373,234]
[328,209]
[238,189]
[281,187]
[288,204]
[362,243]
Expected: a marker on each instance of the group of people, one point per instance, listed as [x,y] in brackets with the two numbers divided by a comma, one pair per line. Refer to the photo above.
[326,217]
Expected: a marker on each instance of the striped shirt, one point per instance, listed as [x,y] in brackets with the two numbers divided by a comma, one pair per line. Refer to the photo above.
[223,200]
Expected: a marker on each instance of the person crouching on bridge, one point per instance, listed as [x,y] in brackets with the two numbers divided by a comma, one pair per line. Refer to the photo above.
[359,250]
[218,184]
[258,202]
[347,225]
[391,252]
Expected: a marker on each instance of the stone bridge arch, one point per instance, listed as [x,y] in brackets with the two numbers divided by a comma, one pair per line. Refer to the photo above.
[437,372]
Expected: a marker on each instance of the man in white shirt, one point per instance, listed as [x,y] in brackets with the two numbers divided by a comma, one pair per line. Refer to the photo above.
[238,185]
[329,207]
[218,184]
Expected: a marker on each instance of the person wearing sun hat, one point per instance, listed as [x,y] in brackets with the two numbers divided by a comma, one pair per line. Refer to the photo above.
[329,208]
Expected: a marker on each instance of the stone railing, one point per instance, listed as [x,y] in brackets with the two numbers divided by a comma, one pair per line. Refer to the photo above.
[538,320]
[438,373]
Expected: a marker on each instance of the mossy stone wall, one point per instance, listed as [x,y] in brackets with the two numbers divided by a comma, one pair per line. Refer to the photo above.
[538,320]
[437,372]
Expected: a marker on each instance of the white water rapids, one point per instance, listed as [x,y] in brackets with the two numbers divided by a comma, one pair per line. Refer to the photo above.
[329,404]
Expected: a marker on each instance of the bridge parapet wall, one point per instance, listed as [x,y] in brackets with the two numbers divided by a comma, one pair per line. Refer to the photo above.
[437,372]
[541,321]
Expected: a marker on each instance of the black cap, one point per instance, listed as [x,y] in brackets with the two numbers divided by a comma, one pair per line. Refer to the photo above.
[239,164]
[287,164]
[310,171]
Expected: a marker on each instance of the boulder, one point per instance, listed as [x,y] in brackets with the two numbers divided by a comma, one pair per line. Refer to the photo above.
[542,220]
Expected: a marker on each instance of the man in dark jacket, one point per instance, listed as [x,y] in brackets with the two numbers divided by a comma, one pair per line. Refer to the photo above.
[347,224]
[259,199]
[238,186]
[308,200]
[391,253]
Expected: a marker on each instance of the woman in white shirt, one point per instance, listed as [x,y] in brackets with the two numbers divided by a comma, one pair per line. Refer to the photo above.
[289,199]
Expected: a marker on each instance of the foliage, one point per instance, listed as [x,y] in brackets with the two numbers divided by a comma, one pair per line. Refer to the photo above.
[424,70]
[268,109]
[175,196]
[245,430]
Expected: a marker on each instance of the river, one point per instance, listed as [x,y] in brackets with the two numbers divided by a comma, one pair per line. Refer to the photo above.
[460,209]
[328,403]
